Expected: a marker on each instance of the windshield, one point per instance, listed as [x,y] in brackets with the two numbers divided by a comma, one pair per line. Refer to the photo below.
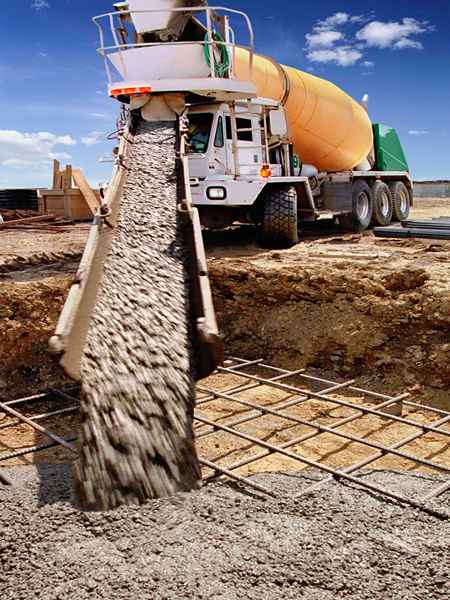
[199,132]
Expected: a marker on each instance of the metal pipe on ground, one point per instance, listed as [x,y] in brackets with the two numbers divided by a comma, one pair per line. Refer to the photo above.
[398,233]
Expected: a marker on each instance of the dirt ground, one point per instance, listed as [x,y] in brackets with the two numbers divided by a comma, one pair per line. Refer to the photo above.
[346,307]
[355,305]
[349,305]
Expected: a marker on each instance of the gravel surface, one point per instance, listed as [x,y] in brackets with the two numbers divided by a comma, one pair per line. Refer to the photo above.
[221,543]
[138,393]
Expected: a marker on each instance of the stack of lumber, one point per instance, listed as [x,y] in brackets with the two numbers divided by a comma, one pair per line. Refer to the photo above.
[31,219]
[15,214]
[71,196]
[25,222]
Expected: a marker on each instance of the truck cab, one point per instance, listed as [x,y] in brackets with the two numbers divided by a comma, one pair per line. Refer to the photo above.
[237,150]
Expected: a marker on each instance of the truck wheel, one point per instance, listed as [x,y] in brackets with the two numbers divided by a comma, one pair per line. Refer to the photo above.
[401,200]
[362,208]
[383,205]
[280,221]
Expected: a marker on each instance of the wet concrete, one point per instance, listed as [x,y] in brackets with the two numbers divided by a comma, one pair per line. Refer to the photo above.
[137,385]
[222,543]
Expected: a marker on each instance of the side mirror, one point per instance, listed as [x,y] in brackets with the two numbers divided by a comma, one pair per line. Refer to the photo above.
[278,123]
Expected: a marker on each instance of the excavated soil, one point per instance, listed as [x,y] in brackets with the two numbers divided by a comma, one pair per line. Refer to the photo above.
[222,543]
[347,305]
[355,306]
[36,271]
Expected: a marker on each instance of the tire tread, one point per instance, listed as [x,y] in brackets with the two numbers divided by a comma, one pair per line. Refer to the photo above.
[280,217]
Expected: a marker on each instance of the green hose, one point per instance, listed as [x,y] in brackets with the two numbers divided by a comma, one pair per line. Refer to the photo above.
[222,66]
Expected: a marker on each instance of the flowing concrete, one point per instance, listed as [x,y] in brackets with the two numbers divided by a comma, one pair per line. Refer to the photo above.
[138,393]
[222,543]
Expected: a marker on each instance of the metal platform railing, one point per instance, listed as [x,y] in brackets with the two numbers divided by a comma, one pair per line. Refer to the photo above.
[114,22]
[287,411]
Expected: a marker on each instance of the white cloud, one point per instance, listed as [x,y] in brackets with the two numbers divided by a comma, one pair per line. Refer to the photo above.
[339,18]
[325,44]
[30,149]
[61,155]
[418,132]
[407,43]
[323,39]
[98,115]
[32,152]
[40,4]
[343,56]
[95,137]
[393,34]
[16,163]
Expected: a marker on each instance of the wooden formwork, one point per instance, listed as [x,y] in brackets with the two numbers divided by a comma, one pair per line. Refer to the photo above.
[78,203]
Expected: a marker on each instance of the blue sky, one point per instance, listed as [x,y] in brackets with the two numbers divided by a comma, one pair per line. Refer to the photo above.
[53,100]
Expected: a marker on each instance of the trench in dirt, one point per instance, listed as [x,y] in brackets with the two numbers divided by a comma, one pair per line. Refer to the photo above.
[344,307]
[347,306]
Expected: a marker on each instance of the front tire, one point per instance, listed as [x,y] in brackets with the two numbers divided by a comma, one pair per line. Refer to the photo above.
[401,200]
[280,219]
[362,208]
[383,206]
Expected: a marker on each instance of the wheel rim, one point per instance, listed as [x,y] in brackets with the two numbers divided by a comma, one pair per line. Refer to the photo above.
[362,206]
[403,201]
[385,205]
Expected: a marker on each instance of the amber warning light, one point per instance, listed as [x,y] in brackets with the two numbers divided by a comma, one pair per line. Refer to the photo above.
[130,91]
[266,171]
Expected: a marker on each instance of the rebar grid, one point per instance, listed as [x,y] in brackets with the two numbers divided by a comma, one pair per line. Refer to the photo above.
[240,416]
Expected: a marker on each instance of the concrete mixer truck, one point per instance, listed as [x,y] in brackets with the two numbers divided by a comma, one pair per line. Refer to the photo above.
[269,144]
[209,134]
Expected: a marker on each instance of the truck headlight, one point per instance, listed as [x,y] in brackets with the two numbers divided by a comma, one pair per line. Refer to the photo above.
[216,193]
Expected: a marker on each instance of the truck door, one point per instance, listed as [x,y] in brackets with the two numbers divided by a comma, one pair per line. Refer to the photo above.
[199,138]
[219,153]
[249,145]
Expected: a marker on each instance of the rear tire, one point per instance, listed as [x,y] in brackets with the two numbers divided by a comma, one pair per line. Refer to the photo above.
[383,205]
[401,199]
[362,208]
[280,220]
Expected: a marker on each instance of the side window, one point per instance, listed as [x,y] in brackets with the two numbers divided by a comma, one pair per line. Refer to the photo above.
[243,136]
[229,134]
[219,141]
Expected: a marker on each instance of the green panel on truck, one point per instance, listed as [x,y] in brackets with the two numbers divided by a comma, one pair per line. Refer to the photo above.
[388,149]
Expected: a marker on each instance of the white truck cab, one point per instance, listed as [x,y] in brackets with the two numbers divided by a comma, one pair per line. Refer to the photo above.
[238,152]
